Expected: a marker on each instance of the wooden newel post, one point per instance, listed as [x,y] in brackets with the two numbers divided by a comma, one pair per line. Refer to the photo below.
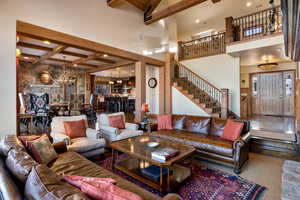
[229,29]
[224,104]
[180,51]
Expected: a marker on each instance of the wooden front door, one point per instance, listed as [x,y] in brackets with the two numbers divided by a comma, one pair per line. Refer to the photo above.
[273,93]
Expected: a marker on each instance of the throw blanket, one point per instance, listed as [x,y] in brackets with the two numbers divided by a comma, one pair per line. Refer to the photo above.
[100,188]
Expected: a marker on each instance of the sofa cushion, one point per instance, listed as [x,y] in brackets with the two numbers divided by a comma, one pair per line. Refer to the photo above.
[57,124]
[71,163]
[232,130]
[75,129]
[204,142]
[42,183]
[10,142]
[42,150]
[84,144]
[178,122]
[20,164]
[217,127]
[103,118]
[198,125]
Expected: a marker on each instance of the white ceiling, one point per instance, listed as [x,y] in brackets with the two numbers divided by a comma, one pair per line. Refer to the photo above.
[212,16]
[263,55]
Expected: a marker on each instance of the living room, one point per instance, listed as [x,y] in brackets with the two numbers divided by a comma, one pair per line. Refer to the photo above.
[106,147]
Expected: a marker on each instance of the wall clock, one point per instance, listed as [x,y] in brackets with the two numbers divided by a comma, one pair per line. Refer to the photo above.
[152,83]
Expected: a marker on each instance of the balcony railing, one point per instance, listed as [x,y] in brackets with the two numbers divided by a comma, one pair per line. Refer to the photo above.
[255,25]
[206,46]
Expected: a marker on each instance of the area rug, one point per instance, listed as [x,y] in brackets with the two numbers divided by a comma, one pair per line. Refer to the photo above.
[204,184]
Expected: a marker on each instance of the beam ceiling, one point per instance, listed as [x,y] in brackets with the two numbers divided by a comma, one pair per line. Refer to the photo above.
[40,33]
[56,50]
[107,67]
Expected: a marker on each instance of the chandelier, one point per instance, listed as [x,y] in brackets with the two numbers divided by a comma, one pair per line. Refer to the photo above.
[64,79]
[267,66]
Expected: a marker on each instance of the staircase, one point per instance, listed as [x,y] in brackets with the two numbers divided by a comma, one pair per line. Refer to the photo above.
[201,92]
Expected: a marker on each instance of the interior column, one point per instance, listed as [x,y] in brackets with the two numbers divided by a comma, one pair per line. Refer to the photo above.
[140,88]
[169,71]
[161,83]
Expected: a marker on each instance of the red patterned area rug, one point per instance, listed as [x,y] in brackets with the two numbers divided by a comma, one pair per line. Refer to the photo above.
[204,184]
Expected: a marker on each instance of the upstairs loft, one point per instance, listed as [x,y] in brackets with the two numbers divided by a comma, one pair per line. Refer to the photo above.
[255,26]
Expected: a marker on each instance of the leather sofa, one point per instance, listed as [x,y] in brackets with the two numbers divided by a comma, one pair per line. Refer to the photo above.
[68,162]
[204,134]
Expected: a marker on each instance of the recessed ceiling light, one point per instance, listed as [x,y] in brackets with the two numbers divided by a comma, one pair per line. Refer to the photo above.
[26,58]
[47,42]
[75,65]
[105,55]
[248,4]
[197,21]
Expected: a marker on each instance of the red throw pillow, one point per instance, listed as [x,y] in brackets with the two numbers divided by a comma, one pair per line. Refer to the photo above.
[101,188]
[116,121]
[75,129]
[232,130]
[28,138]
[164,122]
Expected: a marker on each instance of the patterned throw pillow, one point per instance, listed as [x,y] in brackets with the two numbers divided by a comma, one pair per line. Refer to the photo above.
[42,150]
[75,129]
[116,121]
[179,123]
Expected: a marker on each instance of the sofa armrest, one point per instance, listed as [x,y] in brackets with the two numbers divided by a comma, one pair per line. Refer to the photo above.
[59,137]
[60,147]
[241,152]
[92,133]
[172,196]
[131,126]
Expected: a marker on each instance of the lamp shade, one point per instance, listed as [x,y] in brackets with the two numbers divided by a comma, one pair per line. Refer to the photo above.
[145,107]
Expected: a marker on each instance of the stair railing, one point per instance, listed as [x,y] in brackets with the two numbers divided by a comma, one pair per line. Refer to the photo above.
[220,96]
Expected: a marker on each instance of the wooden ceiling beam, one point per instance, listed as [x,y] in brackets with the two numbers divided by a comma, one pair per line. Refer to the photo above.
[171,10]
[114,3]
[151,6]
[107,67]
[40,33]
[138,4]
[83,60]
[56,50]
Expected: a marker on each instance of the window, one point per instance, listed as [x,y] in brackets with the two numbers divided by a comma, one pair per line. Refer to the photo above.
[288,86]
[254,86]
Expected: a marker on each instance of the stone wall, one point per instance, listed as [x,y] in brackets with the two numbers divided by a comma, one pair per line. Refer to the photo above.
[29,81]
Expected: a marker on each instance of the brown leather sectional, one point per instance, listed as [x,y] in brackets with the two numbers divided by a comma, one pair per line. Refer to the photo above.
[204,134]
[27,176]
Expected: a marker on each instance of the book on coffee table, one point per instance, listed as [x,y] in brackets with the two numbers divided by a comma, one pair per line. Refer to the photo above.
[164,154]
[153,172]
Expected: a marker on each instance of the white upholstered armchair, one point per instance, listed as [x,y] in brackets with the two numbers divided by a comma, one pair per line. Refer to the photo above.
[88,146]
[114,134]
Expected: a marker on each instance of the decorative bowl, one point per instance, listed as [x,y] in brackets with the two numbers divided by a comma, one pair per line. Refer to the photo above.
[152,144]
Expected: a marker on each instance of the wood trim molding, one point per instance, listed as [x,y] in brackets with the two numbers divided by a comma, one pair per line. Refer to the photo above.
[41,33]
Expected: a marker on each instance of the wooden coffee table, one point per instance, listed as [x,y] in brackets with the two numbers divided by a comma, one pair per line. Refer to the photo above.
[140,157]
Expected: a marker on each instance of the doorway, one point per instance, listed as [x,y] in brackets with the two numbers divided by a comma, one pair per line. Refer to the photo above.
[273,101]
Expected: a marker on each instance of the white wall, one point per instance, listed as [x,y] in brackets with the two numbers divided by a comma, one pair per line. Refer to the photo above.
[184,106]
[152,94]
[223,71]
[92,20]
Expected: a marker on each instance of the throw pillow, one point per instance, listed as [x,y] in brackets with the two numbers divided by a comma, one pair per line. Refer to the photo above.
[198,126]
[20,164]
[42,150]
[10,142]
[164,122]
[75,129]
[116,121]
[42,183]
[26,139]
[179,123]
[101,188]
[232,130]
